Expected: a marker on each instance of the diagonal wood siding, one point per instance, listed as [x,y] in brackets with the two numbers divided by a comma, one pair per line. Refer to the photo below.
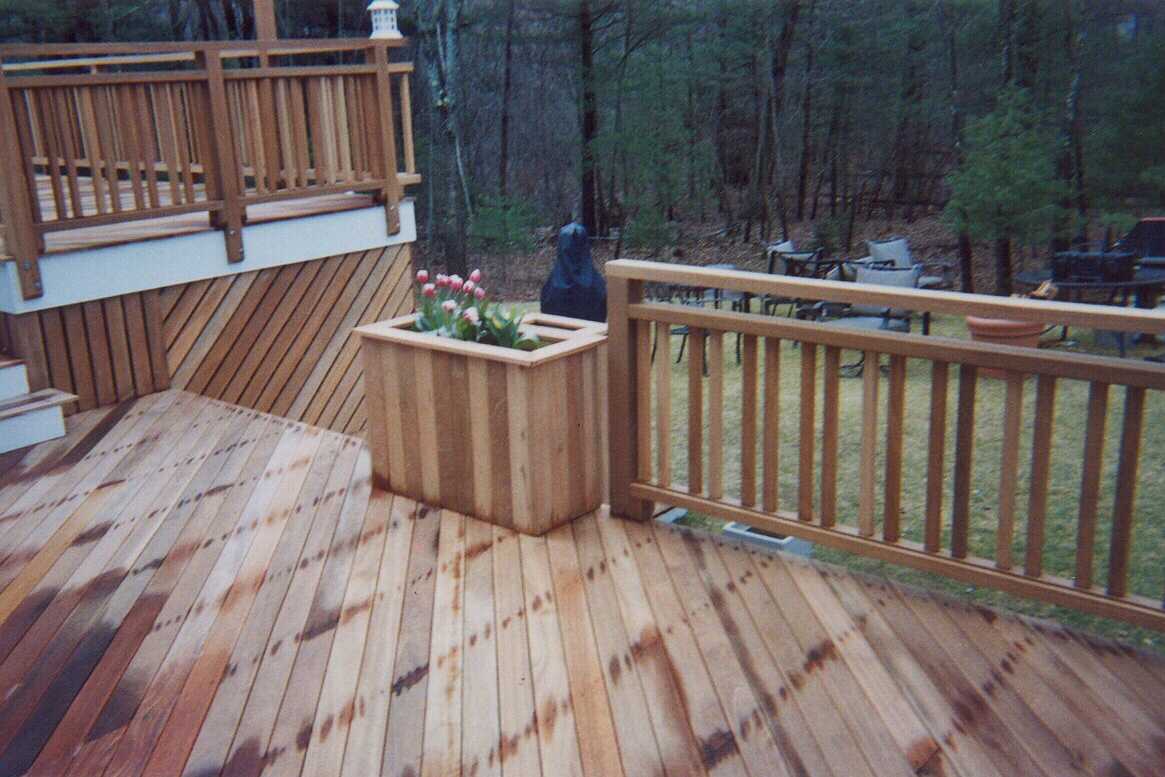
[279,340]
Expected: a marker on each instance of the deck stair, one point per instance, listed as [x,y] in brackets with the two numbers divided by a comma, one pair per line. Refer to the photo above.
[28,417]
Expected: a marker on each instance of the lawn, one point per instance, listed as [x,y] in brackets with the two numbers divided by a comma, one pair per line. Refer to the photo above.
[1148,556]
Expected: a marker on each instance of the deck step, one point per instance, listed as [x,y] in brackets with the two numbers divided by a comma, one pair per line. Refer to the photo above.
[32,418]
[13,377]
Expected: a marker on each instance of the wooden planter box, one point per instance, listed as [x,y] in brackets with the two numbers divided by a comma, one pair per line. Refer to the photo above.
[514,438]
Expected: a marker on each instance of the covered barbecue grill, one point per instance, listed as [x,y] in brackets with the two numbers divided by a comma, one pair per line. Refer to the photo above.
[1146,240]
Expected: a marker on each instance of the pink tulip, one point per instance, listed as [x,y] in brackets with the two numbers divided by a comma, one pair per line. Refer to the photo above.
[475,276]
[455,283]
[429,290]
[449,306]
[422,276]
[442,280]
[470,315]
[479,292]
[469,287]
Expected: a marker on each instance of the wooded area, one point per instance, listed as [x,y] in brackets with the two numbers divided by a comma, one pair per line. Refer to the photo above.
[1029,122]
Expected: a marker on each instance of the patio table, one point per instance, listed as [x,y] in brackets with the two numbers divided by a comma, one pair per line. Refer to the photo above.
[1145,279]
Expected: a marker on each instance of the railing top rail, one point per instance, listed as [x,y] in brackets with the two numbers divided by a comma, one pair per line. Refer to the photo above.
[227,49]
[1074,366]
[1107,317]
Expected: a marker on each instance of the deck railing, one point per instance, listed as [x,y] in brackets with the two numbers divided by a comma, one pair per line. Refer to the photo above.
[109,133]
[956,528]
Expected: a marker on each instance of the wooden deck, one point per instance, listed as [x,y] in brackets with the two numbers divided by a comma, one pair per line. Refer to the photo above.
[188,587]
[170,226]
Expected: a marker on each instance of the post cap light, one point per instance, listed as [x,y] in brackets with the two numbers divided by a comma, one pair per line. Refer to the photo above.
[384,25]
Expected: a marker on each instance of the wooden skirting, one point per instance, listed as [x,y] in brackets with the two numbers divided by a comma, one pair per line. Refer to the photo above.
[277,340]
[105,351]
[280,340]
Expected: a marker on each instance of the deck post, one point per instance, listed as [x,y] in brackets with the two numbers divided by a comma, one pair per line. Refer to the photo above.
[15,207]
[622,393]
[223,181]
[386,134]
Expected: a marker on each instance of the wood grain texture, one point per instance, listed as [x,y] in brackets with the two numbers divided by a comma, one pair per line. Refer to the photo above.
[276,615]
[276,340]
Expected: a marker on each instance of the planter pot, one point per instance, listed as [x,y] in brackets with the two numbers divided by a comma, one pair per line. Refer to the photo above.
[510,437]
[1004,331]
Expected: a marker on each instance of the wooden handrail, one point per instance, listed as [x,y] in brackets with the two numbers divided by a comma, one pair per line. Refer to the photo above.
[1045,311]
[951,545]
[111,146]
[249,48]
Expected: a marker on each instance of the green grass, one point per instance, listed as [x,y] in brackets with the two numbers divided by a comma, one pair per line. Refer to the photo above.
[1147,570]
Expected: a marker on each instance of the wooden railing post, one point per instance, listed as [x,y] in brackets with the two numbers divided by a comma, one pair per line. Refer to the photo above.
[385,132]
[15,205]
[222,180]
[622,390]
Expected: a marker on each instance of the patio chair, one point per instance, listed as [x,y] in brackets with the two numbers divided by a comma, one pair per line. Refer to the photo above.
[778,264]
[895,252]
[872,317]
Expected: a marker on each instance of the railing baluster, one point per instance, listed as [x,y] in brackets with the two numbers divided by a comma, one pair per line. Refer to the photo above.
[829,433]
[70,149]
[406,124]
[49,128]
[1126,491]
[895,414]
[805,444]
[695,410]
[643,398]
[964,445]
[1009,469]
[936,450]
[167,140]
[1090,482]
[870,377]
[715,415]
[748,365]
[1037,508]
[268,120]
[146,143]
[128,129]
[772,424]
[663,401]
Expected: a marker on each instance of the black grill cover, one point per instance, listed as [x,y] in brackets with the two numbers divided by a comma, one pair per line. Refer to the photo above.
[575,287]
[1146,239]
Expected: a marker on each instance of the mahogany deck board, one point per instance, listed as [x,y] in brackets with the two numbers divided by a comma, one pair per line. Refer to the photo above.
[199,589]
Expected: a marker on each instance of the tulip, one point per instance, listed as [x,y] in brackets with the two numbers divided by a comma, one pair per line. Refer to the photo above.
[479,292]
[422,276]
[442,280]
[429,290]
[449,306]
[470,315]
[469,287]
[455,283]
[475,276]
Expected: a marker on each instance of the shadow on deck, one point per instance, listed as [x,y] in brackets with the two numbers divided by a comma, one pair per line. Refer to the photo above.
[188,587]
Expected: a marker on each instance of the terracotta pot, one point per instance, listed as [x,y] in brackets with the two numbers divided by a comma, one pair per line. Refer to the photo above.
[1004,331]
[509,437]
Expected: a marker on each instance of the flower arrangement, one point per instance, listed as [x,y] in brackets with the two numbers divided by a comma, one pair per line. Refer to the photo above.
[450,306]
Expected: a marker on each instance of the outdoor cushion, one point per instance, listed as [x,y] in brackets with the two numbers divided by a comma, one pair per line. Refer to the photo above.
[895,251]
[905,278]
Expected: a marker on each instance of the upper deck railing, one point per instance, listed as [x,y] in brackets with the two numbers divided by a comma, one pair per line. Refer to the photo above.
[903,498]
[100,134]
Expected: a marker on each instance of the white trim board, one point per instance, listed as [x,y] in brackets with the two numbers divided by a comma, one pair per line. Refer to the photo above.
[109,271]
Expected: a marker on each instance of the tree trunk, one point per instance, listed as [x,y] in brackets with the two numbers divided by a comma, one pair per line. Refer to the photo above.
[966,253]
[176,24]
[806,120]
[966,262]
[1003,266]
[590,116]
[507,89]
[778,66]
